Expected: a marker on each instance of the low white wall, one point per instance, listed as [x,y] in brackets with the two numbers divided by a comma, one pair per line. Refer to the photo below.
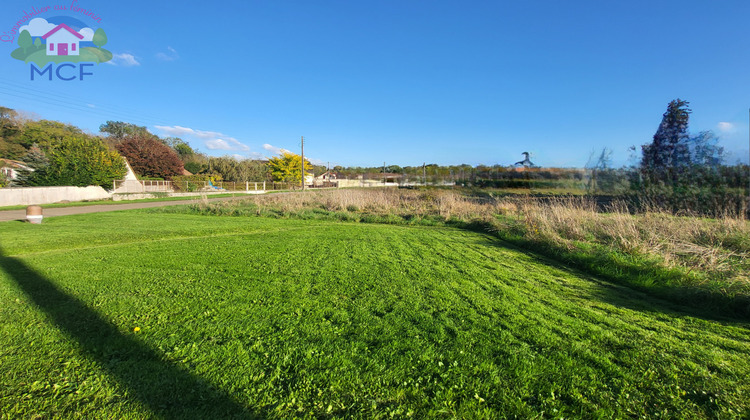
[46,195]
[141,196]
[349,183]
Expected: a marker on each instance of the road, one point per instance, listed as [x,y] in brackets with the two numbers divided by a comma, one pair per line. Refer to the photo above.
[8,215]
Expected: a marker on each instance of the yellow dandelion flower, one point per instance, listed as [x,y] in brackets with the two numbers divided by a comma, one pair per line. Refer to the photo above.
[136,329]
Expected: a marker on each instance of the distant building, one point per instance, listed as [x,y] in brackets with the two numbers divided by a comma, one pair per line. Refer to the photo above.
[10,168]
[326,176]
[62,40]
[326,179]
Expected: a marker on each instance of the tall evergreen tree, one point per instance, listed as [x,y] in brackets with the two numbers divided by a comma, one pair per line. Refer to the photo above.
[38,162]
[669,152]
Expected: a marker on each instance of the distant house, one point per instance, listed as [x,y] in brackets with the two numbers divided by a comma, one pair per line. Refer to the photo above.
[10,168]
[386,177]
[326,179]
[62,40]
[326,176]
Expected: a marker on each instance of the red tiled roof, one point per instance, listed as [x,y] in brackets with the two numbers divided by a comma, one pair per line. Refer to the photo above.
[62,26]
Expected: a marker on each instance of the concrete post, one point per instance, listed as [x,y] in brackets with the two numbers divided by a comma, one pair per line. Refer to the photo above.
[34,214]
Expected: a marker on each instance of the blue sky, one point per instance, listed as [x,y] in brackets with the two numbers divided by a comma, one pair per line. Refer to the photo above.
[403,82]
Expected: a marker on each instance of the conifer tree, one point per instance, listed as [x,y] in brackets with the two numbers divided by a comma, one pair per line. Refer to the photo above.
[38,162]
[669,153]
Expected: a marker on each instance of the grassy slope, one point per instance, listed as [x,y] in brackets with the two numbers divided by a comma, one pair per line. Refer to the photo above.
[291,317]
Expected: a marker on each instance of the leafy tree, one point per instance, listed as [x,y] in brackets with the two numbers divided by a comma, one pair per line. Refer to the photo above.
[181,147]
[10,132]
[236,170]
[38,44]
[25,41]
[44,132]
[7,114]
[596,166]
[100,38]
[705,150]
[287,167]
[252,170]
[17,137]
[226,167]
[77,160]
[119,130]
[193,167]
[149,157]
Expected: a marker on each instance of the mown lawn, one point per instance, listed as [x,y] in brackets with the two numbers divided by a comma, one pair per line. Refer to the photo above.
[138,314]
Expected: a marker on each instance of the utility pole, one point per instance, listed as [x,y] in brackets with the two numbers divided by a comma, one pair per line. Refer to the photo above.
[303,163]
[383,172]
[424,173]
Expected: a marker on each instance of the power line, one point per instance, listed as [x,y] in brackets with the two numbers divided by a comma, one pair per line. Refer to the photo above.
[57,104]
[68,102]
[68,97]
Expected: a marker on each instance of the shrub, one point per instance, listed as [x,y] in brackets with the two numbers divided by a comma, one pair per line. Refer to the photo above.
[76,160]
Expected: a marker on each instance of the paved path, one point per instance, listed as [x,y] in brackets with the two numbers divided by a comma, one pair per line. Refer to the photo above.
[8,215]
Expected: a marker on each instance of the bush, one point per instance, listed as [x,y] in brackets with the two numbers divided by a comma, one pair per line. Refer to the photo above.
[76,160]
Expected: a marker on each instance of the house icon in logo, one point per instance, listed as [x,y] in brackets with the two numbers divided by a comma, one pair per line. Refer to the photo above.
[62,40]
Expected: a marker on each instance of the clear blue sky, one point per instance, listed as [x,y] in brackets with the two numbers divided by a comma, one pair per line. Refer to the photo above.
[403,81]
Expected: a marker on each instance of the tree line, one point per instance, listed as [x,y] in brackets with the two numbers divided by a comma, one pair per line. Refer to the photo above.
[675,168]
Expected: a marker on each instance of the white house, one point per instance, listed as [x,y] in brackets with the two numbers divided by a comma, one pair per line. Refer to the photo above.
[9,168]
[62,40]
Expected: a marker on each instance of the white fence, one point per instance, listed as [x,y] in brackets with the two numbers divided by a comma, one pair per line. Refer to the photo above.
[132,186]
[231,186]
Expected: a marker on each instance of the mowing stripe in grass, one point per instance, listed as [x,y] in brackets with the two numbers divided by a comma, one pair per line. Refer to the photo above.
[353,320]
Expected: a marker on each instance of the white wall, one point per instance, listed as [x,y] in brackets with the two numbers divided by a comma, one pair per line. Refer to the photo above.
[348,183]
[46,195]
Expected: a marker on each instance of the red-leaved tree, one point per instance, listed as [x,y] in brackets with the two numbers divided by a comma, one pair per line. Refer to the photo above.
[149,157]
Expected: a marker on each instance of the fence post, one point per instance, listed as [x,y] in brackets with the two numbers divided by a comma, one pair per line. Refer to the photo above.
[264,185]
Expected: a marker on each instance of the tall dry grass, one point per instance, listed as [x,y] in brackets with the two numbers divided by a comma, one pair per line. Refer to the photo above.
[718,248]
[381,201]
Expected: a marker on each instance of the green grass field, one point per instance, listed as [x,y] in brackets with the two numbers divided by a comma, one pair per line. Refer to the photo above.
[144,314]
